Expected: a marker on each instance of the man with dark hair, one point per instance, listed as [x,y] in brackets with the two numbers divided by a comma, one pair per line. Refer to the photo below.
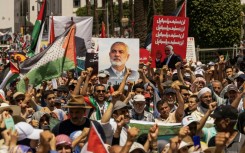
[217,87]
[167,112]
[185,93]
[138,88]
[76,108]
[49,98]
[229,72]
[192,105]
[98,100]
[225,119]
[63,93]
[116,128]
[240,81]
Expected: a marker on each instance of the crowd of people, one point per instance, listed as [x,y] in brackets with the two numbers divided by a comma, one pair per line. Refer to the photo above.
[206,102]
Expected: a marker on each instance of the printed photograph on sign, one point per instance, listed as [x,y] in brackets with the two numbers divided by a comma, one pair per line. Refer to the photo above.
[116,56]
[94,46]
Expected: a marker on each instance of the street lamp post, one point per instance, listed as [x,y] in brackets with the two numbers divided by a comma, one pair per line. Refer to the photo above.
[25,23]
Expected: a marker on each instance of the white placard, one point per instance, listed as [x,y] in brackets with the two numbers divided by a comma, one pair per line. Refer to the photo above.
[191,50]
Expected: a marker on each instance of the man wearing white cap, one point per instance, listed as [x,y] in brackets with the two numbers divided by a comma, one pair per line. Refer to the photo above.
[103,76]
[205,98]
[138,112]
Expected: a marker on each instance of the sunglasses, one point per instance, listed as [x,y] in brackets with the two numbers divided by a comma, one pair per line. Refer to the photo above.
[99,91]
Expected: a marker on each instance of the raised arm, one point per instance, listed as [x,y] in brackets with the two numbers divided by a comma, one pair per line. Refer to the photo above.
[180,110]
[143,77]
[132,135]
[29,94]
[180,76]
[108,113]
[152,139]
[236,102]
[163,72]
[188,70]
[85,86]
[159,85]
[79,82]
[122,85]
[221,68]
[149,68]
[212,107]
[81,137]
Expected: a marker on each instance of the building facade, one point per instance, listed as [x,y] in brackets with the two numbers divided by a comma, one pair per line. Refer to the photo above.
[21,15]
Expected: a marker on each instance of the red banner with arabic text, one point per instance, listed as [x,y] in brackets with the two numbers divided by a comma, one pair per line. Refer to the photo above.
[169,30]
[144,55]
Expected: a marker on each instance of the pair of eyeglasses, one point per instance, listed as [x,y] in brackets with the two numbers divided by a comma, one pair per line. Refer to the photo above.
[99,91]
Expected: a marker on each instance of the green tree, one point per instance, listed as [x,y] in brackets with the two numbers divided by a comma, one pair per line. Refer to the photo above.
[215,23]
[243,8]
[140,28]
[81,11]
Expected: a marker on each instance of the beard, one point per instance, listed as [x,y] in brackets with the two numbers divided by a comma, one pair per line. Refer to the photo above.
[139,111]
[116,63]
[76,120]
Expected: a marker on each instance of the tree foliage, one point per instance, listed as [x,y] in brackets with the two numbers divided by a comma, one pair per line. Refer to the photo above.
[243,8]
[215,23]
[82,11]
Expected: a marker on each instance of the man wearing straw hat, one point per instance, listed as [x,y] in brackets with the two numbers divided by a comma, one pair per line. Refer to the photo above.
[77,109]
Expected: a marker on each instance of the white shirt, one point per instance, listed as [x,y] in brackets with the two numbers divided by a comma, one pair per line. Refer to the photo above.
[169,59]
[110,128]
[117,72]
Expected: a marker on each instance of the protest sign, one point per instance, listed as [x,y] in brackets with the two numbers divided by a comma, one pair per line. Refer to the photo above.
[144,55]
[116,59]
[169,30]
[191,50]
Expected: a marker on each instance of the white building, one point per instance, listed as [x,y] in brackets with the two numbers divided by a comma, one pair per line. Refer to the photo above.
[13,13]
[10,14]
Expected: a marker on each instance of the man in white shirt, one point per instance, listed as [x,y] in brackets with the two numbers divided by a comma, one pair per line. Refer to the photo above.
[115,120]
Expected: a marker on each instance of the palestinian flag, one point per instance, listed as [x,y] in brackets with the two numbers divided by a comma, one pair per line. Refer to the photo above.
[50,63]
[103,35]
[181,9]
[94,138]
[9,74]
[37,31]
[52,34]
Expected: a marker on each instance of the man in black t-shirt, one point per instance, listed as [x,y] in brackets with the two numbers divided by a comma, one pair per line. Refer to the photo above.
[77,108]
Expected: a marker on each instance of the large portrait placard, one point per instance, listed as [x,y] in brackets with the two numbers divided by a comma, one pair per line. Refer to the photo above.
[116,55]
